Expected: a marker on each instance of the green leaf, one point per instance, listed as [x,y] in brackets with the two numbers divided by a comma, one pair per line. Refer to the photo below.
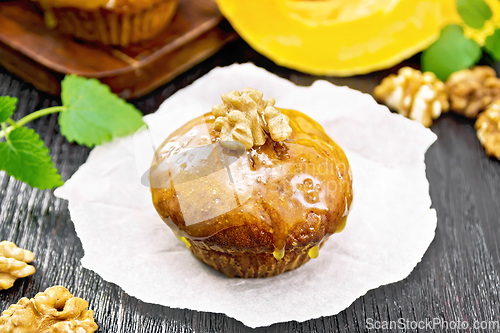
[25,157]
[450,53]
[93,113]
[7,107]
[492,45]
[474,12]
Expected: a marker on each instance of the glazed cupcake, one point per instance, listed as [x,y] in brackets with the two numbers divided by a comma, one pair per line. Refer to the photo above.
[251,189]
[110,22]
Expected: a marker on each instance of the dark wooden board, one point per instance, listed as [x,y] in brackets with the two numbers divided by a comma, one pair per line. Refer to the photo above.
[43,56]
[456,280]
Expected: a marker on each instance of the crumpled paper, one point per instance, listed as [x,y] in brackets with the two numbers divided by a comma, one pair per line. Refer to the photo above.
[388,231]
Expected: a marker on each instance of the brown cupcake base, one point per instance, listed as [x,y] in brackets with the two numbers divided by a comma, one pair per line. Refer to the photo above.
[251,265]
[114,28]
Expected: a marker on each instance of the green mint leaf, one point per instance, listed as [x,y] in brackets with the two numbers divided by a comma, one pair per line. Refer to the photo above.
[450,53]
[7,107]
[492,45]
[93,113]
[25,157]
[474,12]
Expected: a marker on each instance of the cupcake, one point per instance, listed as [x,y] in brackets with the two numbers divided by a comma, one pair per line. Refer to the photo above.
[251,189]
[110,22]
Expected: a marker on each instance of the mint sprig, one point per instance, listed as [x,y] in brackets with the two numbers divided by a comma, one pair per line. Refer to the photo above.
[91,114]
[453,51]
[7,107]
[25,157]
[492,45]
[474,13]
[450,53]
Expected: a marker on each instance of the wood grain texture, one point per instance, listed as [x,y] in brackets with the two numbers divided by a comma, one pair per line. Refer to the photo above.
[456,280]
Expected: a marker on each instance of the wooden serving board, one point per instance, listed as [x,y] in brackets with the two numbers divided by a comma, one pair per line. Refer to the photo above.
[43,56]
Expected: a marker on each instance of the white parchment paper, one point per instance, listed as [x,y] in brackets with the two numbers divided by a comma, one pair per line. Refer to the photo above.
[388,231]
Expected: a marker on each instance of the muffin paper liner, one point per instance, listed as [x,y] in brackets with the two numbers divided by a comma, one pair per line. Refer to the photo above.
[260,265]
[388,230]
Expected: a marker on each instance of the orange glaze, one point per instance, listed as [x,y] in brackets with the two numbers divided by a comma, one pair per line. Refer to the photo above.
[265,199]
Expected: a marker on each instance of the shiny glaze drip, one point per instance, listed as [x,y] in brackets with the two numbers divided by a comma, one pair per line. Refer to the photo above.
[279,253]
[290,192]
[313,252]
[50,19]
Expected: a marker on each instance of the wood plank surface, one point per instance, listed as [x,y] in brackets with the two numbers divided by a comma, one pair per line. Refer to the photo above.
[457,279]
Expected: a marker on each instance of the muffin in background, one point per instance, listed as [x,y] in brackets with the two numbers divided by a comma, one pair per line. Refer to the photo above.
[110,22]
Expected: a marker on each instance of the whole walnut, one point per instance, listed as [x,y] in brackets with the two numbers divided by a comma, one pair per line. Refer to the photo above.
[245,117]
[53,311]
[416,95]
[488,129]
[472,90]
[14,264]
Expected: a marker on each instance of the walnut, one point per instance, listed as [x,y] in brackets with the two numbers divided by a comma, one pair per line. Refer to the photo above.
[472,90]
[14,264]
[53,311]
[416,95]
[488,129]
[246,118]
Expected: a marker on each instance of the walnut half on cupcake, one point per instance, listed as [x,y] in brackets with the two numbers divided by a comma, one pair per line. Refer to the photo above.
[110,22]
[251,189]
